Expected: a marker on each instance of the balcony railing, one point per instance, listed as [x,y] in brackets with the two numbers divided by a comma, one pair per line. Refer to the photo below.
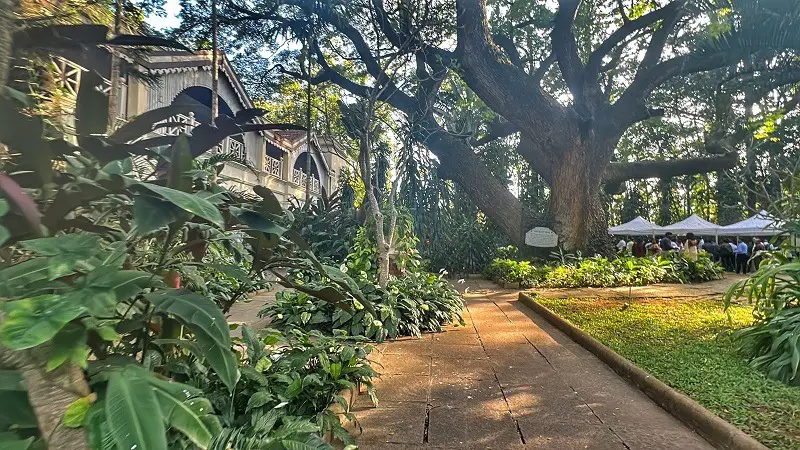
[181,123]
[299,178]
[273,166]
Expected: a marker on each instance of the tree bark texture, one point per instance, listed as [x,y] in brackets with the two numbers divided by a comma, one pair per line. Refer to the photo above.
[50,394]
[579,217]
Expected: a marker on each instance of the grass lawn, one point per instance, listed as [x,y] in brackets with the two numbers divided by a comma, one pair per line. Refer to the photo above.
[685,343]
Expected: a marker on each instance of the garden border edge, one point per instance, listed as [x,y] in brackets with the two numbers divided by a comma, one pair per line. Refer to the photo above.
[718,432]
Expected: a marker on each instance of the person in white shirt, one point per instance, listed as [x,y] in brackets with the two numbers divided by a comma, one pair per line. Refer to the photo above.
[621,245]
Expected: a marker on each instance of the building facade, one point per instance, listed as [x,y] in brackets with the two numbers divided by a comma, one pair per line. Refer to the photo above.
[279,157]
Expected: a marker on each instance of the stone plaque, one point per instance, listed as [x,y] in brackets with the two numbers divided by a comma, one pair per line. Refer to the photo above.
[541,237]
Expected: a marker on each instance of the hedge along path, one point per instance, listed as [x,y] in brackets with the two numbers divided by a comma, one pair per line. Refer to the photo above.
[715,287]
[508,380]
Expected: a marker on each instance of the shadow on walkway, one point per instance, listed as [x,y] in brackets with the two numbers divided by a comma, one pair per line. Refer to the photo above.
[507,380]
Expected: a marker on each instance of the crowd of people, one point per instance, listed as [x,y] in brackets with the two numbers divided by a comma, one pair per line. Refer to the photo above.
[738,255]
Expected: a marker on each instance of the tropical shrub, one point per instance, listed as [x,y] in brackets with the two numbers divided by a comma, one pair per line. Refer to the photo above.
[510,271]
[289,378]
[327,223]
[598,271]
[410,305]
[96,239]
[363,258]
[772,342]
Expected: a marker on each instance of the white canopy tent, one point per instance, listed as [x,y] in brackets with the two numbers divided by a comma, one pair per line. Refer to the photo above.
[636,227]
[760,224]
[693,224]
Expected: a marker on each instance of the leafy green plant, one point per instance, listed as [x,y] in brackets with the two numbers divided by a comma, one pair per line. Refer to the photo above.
[289,378]
[96,239]
[410,305]
[327,223]
[772,342]
[599,271]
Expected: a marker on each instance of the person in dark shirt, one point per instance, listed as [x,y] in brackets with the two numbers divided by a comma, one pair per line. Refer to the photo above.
[666,242]
[712,248]
[639,250]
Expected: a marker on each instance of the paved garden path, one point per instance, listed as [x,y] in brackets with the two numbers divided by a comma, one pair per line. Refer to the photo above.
[507,380]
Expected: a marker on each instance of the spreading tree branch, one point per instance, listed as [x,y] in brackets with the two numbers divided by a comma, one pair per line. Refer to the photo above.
[619,172]
[566,49]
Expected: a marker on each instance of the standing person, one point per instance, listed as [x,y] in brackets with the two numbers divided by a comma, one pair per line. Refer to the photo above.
[629,247]
[639,249]
[654,248]
[712,248]
[742,257]
[759,247]
[726,255]
[691,247]
[621,245]
[666,242]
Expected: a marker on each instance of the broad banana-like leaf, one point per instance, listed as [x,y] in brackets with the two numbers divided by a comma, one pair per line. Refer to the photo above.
[189,416]
[188,202]
[133,413]
[208,324]
[91,108]
[144,123]
[246,115]
[180,164]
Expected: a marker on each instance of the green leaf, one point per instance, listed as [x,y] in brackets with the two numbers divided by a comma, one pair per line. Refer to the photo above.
[296,444]
[34,321]
[76,413]
[133,413]
[17,280]
[263,364]
[4,207]
[294,389]
[68,345]
[97,428]
[80,245]
[188,202]
[150,213]
[5,235]
[336,370]
[11,380]
[270,203]
[254,345]
[258,400]
[187,416]
[16,444]
[17,410]
[180,164]
[257,221]
[119,167]
[205,319]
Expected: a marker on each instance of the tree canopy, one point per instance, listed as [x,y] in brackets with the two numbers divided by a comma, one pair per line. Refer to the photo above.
[590,94]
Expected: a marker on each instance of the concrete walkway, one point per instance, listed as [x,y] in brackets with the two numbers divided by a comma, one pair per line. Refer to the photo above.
[507,380]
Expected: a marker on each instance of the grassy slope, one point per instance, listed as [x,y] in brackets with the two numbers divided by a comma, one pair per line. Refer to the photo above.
[685,344]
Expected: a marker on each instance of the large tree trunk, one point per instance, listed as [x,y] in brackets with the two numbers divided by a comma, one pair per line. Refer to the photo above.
[50,394]
[579,217]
